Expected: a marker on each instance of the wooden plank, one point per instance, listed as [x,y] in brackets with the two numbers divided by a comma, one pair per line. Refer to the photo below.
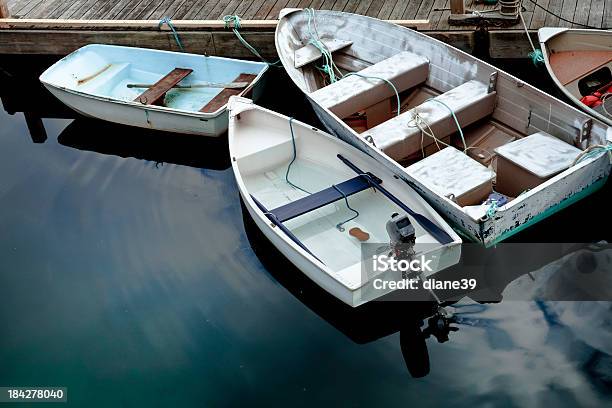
[607,18]
[126,12]
[443,23]
[62,42]
[223,97]
[166,10]
[145,10]
[374,8]
[231,7]
[199,10]
[27,8]
[278,6]
[425,9]
[581,16]
[217,10]
[16,6]
[436,12]
[68,11]
[539,16]
[96,10]
[130,25]
[351,5]
[85,5]
[567,12]
[226,44]
[242,7]
[264,10]
[363,6]
[45,8]
[155,95]
[183,9]
[387,9]
[398,10]
[250,12]
[596,13]
[411,9]
[555,6]
[60,10]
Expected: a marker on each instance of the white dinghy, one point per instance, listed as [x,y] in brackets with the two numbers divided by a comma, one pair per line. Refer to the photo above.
[515,154]
[318,199]
[162,90]
[580,63]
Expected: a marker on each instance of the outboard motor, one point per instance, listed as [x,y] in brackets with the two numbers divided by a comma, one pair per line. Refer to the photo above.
[402,235]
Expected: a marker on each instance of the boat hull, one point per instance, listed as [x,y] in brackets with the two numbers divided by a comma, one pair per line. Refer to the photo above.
[519,106]
[596,40]
[95,81]
[142,116]
[444,255]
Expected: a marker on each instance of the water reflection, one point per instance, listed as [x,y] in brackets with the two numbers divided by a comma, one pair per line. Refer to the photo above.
[133,283]
[161,147]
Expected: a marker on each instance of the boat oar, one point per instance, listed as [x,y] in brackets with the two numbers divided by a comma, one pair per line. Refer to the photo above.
[231,85]
[438,233]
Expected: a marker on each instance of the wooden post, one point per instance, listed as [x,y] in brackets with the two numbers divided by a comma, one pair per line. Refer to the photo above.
[4,11]
[36,127]
[457,6]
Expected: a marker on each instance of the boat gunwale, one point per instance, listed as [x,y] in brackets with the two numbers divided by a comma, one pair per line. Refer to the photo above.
[193,114]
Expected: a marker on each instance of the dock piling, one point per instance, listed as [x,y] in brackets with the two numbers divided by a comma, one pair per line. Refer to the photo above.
[457,6]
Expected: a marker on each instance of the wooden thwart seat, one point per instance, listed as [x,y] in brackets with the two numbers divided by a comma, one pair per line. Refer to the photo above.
[222,97]
[155,94]
[353,93]
[400,137]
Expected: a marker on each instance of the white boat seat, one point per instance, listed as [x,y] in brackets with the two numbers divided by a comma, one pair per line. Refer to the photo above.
[399,137]
[353,93]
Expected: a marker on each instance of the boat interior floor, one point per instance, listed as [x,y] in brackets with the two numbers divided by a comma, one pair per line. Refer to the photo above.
[113,80]
[318,228]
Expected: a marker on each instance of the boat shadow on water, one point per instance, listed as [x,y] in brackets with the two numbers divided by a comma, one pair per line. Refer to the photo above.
[161,147]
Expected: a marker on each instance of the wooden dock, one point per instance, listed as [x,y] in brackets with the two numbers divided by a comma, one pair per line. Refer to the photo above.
[60,26]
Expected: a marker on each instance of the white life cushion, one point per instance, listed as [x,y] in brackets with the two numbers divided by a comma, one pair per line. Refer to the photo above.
[400,137]
[353,93]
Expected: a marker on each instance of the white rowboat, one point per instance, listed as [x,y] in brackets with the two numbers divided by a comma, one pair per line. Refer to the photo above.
[580,63]
[275,159]
[97,81]
[517,140]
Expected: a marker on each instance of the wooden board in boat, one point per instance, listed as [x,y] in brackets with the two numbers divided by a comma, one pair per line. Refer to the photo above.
[223,97]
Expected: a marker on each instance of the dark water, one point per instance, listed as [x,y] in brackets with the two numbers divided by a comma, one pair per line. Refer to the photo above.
[126,275]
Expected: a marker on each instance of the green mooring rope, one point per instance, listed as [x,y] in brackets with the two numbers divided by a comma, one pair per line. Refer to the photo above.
[233,22]
[167,20]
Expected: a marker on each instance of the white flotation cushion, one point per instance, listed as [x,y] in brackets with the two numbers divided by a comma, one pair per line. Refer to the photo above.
[399,137]
[353,93]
